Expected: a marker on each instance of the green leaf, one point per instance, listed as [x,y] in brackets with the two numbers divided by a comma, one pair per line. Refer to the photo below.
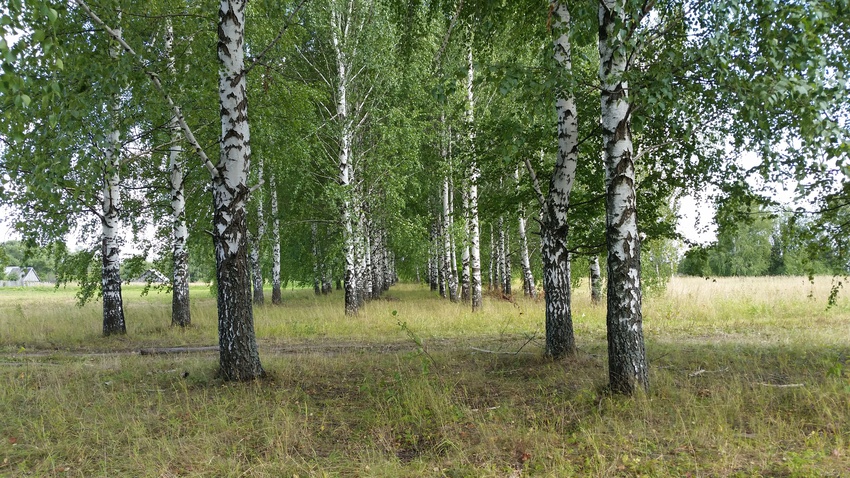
[25,100]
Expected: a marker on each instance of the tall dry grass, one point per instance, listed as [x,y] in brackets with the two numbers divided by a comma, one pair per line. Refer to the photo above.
[749,378]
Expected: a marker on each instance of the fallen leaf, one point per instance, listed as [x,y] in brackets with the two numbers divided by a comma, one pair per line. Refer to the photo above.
[13,440]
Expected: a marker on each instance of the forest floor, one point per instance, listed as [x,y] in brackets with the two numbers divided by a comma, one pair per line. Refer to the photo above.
[749,377]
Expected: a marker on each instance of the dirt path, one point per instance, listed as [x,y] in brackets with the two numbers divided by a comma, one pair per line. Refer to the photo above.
[499,345]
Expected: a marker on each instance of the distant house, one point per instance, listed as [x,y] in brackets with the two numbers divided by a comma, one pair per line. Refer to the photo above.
[15,276]
[153,276]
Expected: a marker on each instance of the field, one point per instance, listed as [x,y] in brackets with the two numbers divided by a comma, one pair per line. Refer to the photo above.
[749,377]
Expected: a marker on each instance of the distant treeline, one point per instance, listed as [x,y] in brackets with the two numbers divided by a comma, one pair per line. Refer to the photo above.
[763,244]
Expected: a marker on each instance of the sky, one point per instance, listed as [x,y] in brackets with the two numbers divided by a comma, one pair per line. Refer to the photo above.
[696,223]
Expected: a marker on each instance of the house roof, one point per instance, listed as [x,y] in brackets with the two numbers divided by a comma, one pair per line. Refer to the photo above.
[26,274]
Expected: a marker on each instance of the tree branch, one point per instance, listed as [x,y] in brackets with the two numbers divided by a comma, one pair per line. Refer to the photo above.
[535,183]
[187,132]
[438,58]
[255,60]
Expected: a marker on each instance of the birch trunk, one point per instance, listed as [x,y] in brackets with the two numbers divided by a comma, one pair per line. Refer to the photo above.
[317,280]
[441,270]
[239,358]
[451,279]
[492,275]
[453,242]
[474,176]
[433,260]
[276,293]
[378,259]
[627,368]
[346,171]
[508,272]
[560,337]
[595,281]
[528,287]
[501,263]
[390,276]
[464,261]
[180,314]
[366,270]
[113,302]
[256,241]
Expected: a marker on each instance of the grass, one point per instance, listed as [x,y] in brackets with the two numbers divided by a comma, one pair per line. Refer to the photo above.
[358,397]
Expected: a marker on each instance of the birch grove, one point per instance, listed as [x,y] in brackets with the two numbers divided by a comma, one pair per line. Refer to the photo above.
[385,133]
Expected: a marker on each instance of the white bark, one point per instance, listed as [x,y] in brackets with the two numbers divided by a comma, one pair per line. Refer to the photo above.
[433,259]
[493,260]
[113,303]
[465,275]
[508,274]
[626,351]
[528,286]
[180,313]
[474,176]
[339,32]
[390,276]
[377,261]
[441,264]
[451,278]
[501,264]
[318,282]
[595,281]
[366,271]
[560,338]
[276,293]
[452,239]
[239,357]
[257,241]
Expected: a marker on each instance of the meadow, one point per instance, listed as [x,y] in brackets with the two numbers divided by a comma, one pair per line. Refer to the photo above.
[749,377]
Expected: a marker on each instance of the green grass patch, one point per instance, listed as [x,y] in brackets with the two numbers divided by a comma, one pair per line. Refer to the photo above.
[749,378]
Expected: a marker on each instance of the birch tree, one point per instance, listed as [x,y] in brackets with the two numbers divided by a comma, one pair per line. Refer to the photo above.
[255,241]
[239,356]
[113,303]
[560,338]
[465,290]
[180,313]
[347,20]
[474,176]
[595,281]
[277,298]
[528,287]
[448,253]
[627,367]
